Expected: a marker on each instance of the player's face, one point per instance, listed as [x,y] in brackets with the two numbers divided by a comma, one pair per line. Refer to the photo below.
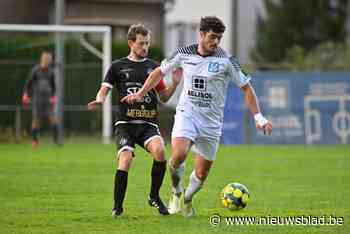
[45,60]
[140,46]
[210,41]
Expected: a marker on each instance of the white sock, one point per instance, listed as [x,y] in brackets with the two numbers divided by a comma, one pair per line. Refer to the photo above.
[194,186]
[176,177]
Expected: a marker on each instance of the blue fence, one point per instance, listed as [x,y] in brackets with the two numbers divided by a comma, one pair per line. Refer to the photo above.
[304,107]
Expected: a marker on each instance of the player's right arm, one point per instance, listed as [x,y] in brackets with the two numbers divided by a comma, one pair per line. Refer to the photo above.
[100,98]
[28,88]
[106,86]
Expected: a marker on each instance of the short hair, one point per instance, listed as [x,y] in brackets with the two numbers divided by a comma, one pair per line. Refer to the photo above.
[213,23]
[137,29]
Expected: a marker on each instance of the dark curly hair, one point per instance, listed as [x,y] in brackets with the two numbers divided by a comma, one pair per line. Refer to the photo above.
[137,29]
[211,23]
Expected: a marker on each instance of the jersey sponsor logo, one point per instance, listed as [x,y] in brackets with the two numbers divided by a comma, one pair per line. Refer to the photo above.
[135,89]
[201,104]
[141,113]
[198,95]
[199,83]
[213,67]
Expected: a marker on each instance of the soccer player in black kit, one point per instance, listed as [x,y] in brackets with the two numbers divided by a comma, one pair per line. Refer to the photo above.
[40,91]
[136,123]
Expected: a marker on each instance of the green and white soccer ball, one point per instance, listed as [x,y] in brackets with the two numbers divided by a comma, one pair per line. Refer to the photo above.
[235,196]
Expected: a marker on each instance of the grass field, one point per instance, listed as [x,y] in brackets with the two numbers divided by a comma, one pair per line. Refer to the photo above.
[69,189]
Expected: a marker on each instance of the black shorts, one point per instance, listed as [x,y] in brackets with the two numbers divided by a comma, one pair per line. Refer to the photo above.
[129,134]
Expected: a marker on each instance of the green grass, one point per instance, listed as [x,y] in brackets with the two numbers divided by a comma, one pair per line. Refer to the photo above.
[69,189]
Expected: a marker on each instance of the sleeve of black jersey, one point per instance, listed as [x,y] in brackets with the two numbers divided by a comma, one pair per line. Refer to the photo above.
[109,79]
[154,63]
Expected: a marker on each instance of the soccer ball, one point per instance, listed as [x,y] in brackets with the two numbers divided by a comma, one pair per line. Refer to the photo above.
[235,196]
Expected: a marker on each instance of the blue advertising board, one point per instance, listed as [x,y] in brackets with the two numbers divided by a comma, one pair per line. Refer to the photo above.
[304,107]
[233,131]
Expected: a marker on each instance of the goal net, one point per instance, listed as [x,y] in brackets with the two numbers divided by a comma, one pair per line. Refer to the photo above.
[82,55]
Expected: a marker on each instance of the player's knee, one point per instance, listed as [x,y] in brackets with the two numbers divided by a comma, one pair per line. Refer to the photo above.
[178,157]
[202,174]
[176,161]
[124,165]
[125,160]
[159,155]
[156,148]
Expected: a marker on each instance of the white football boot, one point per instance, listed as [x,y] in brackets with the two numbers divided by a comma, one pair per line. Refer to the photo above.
[188,210]
[175,203]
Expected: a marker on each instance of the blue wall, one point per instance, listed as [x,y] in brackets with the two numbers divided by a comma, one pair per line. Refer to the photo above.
[304,107]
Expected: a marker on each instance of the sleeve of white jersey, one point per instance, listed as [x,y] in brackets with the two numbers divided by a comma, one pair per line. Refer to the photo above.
[236,73]
[171,63]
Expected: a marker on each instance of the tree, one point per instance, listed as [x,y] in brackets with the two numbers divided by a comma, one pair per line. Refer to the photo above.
[291,23]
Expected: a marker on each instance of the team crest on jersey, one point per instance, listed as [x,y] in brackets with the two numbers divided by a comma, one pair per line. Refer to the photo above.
[213,67]
[127,76]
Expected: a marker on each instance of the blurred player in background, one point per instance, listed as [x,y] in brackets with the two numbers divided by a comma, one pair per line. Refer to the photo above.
[136,123]
[207,70]
[40,91]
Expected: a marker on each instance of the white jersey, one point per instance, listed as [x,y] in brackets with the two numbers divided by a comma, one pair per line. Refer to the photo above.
[205,84]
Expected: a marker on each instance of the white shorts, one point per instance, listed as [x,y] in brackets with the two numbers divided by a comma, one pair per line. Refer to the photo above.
[203,143]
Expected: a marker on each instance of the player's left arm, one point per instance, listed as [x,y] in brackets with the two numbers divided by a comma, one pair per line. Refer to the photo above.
[242,80]
[106,86]
[252,103]
[165,93]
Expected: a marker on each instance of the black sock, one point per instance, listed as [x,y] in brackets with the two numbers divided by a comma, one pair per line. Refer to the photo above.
[35,134]
[158,172]
[120,184]
[55,132]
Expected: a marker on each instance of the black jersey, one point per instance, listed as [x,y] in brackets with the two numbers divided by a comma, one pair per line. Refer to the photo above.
[40,85]
[127,77]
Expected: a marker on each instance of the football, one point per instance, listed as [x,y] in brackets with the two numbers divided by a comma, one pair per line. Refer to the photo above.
[235,196]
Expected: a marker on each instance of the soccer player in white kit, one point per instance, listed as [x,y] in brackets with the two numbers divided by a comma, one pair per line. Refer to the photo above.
[207,70]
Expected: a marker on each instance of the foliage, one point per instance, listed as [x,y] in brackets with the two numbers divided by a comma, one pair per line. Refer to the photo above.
[298,23]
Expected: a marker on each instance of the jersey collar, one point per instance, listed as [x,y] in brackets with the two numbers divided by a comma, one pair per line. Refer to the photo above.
[137,61]
[205,56]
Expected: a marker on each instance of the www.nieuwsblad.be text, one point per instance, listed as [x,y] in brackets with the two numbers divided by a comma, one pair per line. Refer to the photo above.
[303,220]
